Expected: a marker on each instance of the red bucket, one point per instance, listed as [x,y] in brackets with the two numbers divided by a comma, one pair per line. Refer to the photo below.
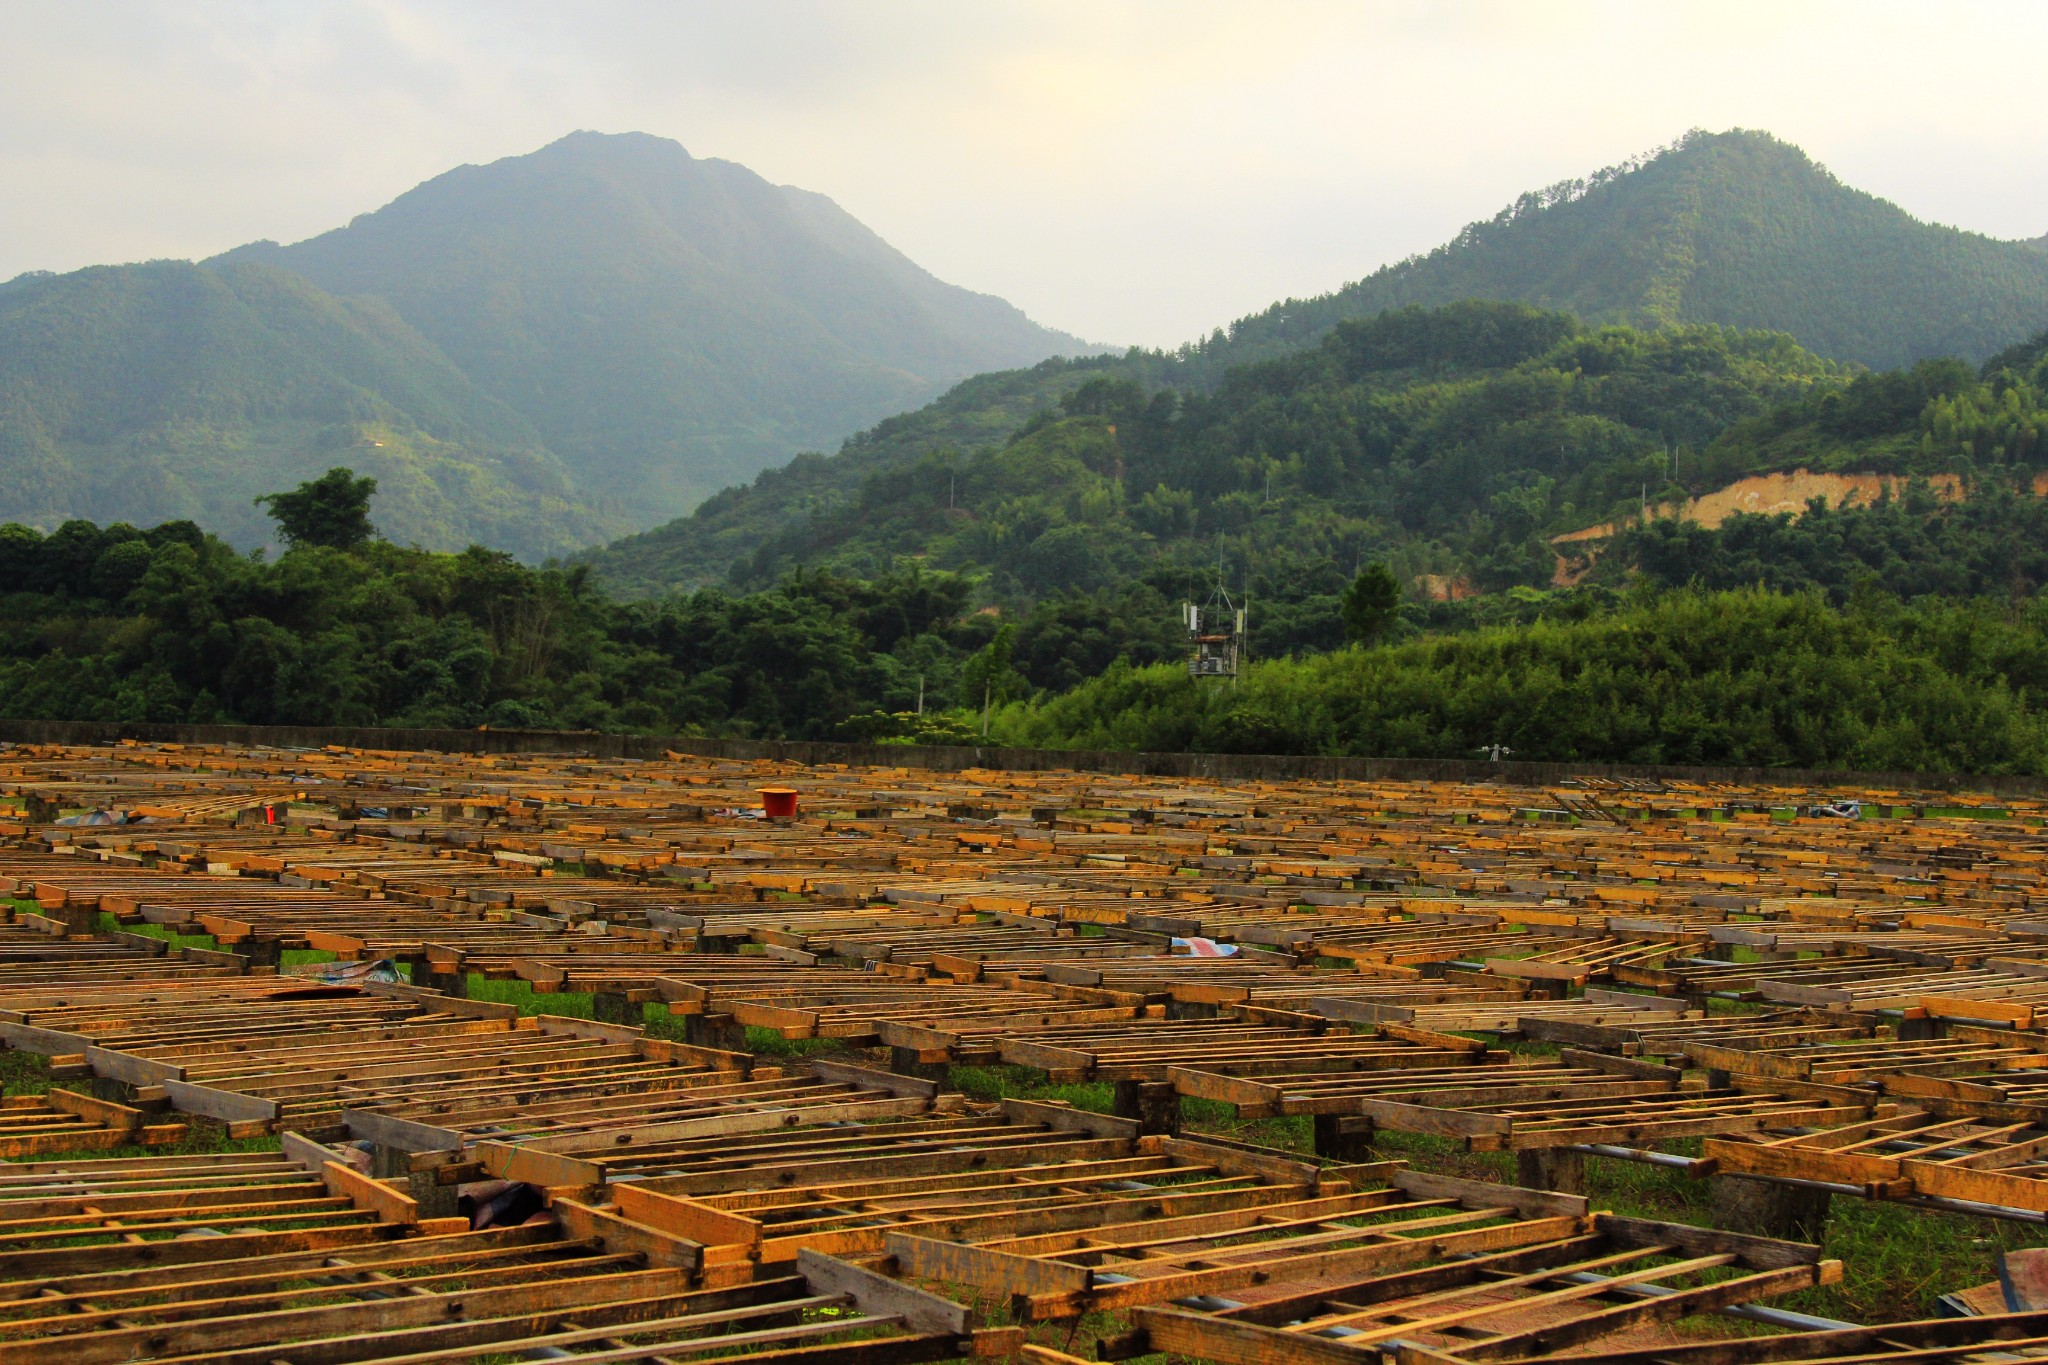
[778,803]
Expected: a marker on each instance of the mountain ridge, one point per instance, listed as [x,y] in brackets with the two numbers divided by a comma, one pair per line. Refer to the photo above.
[1470,264]
[670,324]
[1736,229]
[539,354]
[169,390]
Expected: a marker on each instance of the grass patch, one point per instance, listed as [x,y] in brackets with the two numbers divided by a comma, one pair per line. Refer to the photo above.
[766,1042]
[1289,1132]
[104,923]
[991,1083]
[523,997]
[24,1073]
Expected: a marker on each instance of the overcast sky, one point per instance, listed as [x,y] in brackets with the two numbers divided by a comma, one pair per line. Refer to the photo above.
[1128,170]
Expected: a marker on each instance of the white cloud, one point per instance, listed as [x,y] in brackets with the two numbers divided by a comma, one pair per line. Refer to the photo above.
[1135,171]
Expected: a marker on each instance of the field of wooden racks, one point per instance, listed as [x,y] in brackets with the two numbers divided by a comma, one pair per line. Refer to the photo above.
[336,1055]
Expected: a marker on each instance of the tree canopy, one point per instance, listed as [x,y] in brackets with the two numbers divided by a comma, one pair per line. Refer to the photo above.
[332,511]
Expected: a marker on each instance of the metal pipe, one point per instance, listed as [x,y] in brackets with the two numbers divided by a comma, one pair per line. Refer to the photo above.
[1777,1317]
[1633,1154]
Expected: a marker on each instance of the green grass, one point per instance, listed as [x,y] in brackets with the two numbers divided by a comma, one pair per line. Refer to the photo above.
[105,923]
[24,1073]
[991,1083]
[1289,1133]
[766,1042]
[523,997]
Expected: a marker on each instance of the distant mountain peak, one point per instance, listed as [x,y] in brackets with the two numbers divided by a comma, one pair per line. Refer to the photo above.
[671,324]
[535,353]
[1736,227]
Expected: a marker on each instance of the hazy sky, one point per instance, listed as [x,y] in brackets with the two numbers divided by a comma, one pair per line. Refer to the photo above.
[1132,171]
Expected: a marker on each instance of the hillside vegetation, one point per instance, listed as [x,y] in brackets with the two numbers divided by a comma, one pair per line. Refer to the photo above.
[1448,442]
[535,355]
[1749,678]
[170,391]
[170,624]
[1734,229]
[669,325]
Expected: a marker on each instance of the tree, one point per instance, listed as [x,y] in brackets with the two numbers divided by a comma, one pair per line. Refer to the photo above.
[332,510]
[1370,604]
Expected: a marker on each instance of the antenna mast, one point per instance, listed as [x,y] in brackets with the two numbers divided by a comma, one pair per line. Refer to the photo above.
[1216,632]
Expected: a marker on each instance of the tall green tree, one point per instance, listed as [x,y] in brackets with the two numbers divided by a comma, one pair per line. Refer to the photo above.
[332,510]
[1371,604]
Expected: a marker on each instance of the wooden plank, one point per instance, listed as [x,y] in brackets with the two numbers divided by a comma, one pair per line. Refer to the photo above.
[1620,1066]
[994,1271]
[685,1217]
[1276,1169]
[1422,1118]
[867,1078]
[402,1134]
[1176,1331]
[1430,1038]
[619,1234]
[226,1105]
[1538,971]
[549,1170]
[118,1117]
[44,1042]
[1635,1000]
[388,1204]
[883,1297]
[1790,1162]
[1758,1251]
[1070,1120]
[1484,1194]
[124,1066]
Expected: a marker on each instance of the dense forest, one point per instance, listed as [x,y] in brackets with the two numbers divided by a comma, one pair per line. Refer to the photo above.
[1735,229]
[1028,594]
[1691,677]
[1452,440]
[1452,444]
[345,628]
[170,624]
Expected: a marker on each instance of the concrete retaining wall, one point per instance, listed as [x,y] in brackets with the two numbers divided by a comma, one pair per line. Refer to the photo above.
[1224,767]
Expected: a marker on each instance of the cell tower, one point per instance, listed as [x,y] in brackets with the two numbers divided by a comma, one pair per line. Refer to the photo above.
[1215,636]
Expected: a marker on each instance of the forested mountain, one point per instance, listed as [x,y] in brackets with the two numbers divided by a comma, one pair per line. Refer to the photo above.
[1452,441]
[1747,677]
[154,392]
[1454,445]
[173,625]
[535,355]
[1736,229]
[669,325]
